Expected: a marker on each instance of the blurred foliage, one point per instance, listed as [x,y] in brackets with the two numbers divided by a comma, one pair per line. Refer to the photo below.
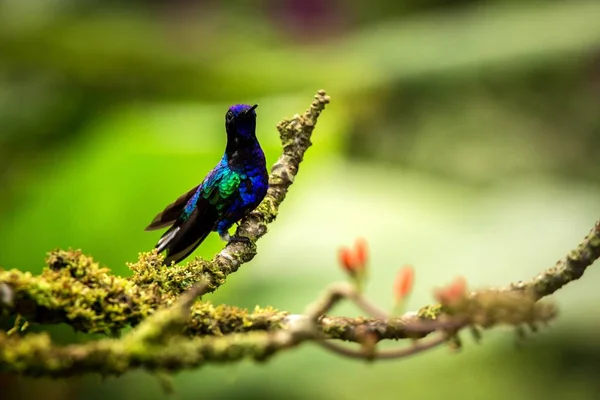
[461,138]
[534,120]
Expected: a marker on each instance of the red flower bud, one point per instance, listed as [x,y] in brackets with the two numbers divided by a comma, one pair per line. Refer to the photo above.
[347,260]
[354,261]
[404,282]
[456,290]
[361,251]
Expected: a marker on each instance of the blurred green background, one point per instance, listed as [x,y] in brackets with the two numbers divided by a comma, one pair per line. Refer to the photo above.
[462,138]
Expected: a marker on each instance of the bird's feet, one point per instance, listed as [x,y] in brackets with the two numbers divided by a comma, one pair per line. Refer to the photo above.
[225,236]
[236,238]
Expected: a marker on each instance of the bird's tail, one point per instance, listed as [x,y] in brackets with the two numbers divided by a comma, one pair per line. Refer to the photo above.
[182,239]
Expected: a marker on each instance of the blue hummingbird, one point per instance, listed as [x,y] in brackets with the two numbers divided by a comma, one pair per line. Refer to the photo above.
[233,188]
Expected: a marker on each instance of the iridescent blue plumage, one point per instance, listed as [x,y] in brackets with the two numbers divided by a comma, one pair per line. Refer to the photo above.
[232,189]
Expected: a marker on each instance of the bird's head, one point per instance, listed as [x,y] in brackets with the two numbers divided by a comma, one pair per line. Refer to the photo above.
[240,121]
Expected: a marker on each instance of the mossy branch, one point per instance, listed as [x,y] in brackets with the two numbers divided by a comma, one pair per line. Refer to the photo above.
[156,344]
[172,331]
[76,290]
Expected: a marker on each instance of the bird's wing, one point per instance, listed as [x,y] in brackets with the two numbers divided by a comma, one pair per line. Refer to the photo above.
[220,187]
[173,211]
[249,197]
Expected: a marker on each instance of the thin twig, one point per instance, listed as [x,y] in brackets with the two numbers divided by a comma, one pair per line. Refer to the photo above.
[339,291]
[393,354]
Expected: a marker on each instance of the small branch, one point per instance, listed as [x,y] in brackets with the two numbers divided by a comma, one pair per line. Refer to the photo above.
[164,323]
[340,291]
[484,309]
[416,348]
[546,283]
[566,270]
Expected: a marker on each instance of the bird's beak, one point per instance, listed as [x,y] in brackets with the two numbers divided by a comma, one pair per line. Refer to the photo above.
[251,108]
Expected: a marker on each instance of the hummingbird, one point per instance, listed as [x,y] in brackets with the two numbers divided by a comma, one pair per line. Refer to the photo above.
[232,189]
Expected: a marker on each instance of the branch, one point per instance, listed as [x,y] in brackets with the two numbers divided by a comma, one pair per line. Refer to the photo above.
[295,137]
[173,332]
[566,270]
[40,299]
[569,269]
[156,344]
[76,290]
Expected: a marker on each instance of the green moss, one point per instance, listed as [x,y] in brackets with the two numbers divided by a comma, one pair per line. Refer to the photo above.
[74,289]
[430,312]
[334,330]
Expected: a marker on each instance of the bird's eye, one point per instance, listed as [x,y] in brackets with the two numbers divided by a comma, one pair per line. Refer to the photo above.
[229,116]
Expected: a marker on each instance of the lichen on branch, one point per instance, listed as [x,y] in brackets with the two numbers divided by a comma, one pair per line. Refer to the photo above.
[156,344]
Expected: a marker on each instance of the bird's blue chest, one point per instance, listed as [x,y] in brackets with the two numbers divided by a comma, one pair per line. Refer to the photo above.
[253,185]
[249,164]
